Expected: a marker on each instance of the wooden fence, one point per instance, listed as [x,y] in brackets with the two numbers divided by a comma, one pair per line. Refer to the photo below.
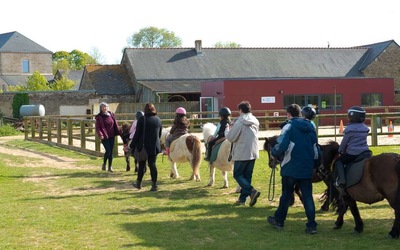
[78,132]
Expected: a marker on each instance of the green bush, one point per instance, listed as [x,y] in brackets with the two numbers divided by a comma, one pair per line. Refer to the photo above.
[19,100]
[7,130]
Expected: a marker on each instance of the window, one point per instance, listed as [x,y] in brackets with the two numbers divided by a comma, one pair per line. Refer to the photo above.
[25,66]
[323,102]
[371,99]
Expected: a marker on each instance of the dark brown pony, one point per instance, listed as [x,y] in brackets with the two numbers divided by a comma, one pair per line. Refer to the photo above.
[380,180]
[323,173]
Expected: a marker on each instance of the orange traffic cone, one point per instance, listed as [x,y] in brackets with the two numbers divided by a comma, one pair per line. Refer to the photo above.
[341,127]
[390,129]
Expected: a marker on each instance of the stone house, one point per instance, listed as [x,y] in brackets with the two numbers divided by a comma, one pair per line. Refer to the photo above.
[20,57]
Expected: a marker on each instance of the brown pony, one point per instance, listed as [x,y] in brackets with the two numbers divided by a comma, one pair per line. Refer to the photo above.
[380,180]
[329,151]
[186,148]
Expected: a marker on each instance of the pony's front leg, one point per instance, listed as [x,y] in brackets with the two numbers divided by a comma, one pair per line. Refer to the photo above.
[342,208]
[212,175]
[174,171]
[359,228]
[225,177]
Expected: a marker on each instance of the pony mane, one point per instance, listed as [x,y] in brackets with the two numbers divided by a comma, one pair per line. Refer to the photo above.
[208,130]
[164,134]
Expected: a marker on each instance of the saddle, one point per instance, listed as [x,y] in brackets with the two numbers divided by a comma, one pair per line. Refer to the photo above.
[355,169]
[215,149]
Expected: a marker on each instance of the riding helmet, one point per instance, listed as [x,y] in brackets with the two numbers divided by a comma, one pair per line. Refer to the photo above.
[225,111]
[139,114]
[308,112]
[356,114]
[180,111]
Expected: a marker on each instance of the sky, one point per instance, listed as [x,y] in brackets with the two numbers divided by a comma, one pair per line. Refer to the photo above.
[105,26]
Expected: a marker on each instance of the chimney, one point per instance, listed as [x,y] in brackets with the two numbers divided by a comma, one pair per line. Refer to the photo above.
[197,47]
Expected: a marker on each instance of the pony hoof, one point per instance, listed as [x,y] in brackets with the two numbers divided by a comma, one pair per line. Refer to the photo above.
[337,227]
[392,235]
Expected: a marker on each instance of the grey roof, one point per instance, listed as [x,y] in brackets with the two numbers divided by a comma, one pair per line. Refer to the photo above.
[74,75]
[243,63]
[13,80]
[16,42]
[374,51]
[108,79]
[183,86]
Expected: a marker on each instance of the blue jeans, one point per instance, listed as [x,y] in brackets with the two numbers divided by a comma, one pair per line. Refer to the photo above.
[305,186]
[108,145]
[243,172]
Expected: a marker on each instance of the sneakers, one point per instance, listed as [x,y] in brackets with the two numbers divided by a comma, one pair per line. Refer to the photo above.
[253,197]
[311,230]
[271,220]
[103,167]
[239,203]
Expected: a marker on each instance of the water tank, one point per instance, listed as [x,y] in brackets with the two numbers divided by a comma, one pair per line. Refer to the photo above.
[32,110]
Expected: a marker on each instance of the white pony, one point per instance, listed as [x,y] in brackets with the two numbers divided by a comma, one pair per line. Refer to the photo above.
[221,162]
[186,148]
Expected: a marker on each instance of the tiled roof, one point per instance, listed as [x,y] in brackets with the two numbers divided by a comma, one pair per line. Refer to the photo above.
[109,79]
[239,63]
[16,42]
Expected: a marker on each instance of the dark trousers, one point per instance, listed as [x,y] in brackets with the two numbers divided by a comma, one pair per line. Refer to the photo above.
[108,145]
[287,192]
[243,173]
[340,173]
[151,160]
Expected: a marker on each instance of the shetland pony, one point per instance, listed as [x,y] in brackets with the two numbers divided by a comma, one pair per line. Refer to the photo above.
[221,161]
[380,179]
[186,148]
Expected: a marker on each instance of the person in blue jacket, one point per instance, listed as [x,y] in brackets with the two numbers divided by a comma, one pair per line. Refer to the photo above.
[354,143]
[297,143]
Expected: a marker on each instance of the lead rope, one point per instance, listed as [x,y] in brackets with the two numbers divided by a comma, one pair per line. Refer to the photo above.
[272,182]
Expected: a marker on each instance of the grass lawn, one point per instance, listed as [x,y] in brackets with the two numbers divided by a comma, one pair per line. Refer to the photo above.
[59,199]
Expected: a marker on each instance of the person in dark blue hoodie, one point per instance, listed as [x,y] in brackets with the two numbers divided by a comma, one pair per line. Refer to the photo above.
[297,143]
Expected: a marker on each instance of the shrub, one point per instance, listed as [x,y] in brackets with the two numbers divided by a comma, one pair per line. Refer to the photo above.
[7,130]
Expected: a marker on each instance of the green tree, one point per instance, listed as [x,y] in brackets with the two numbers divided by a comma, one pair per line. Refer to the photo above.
[226,45]
[152,37]
[74,60]
[37,82]
[34,82]
[62,84]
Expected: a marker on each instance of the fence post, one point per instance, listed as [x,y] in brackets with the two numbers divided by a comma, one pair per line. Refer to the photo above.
[33,127]
[49,127]
[59,136]
[374,130]
[26,128]
[69,129]
[83,135]
[316,122]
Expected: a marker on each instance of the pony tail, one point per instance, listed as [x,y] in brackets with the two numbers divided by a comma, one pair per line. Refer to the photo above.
[196,155]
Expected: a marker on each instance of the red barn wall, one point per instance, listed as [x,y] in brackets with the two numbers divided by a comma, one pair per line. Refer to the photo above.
[232,92]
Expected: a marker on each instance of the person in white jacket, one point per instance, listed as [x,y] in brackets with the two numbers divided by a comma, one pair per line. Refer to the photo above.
[243,136]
